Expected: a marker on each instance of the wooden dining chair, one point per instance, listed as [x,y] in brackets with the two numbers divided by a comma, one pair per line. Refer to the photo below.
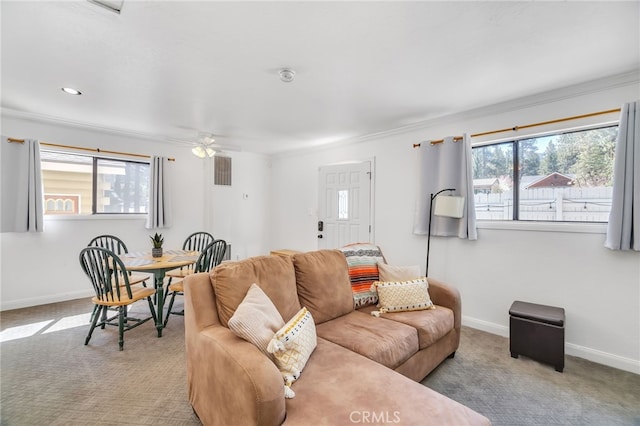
[116,245]
[194,242]
[210,257]
[197,241]
[110,280]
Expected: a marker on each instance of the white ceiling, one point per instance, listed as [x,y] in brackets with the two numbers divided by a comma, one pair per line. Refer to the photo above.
[172,68]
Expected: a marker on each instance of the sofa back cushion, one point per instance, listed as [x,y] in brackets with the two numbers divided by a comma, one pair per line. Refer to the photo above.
[323,284]
[273,274]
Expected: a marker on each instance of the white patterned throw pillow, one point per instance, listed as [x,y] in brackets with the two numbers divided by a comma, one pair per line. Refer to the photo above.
[292,346]
[401,296]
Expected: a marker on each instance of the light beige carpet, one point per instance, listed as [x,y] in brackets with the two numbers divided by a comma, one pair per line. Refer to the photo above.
[48,377]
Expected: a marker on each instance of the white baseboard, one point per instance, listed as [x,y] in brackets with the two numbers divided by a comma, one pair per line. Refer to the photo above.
[612,360]
[487,326]
[43,300]
[600,357]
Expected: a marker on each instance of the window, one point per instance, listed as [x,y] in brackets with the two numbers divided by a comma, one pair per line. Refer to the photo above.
[343,204]
[83,185]
[563,177]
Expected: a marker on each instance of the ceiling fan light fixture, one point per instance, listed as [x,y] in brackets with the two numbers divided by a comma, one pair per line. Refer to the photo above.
[202,151]
[198,151]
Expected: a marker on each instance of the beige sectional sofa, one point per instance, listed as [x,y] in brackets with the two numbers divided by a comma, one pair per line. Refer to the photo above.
[364,369]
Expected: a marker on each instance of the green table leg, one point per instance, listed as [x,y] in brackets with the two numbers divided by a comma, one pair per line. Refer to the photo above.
[159,284]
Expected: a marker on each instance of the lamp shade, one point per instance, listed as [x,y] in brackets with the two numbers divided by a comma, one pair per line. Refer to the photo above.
[449,206]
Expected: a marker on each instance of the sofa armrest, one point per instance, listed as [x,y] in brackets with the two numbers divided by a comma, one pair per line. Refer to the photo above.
[445,295]
[201,299]
[230,381]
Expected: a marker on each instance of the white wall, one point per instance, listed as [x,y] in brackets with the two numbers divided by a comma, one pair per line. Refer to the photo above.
[599,289]
[239,213]
[43,267]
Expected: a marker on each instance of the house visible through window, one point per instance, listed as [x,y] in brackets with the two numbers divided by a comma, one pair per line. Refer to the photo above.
[62,204]
[83,185]
[565,177]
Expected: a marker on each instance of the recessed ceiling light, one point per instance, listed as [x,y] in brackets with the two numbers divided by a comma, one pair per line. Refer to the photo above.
[71,91]
[287,75]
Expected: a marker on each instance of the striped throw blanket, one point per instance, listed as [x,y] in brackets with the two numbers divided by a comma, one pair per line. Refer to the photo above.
[362,259]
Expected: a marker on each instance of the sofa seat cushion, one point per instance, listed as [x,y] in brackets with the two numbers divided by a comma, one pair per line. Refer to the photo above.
[432,324]
[389,343]
[323,284]
[273,274]
[340,387]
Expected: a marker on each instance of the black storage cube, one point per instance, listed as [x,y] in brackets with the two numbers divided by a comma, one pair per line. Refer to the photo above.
[537,331]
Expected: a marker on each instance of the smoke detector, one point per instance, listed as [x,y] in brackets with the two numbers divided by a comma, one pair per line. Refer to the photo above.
[287,75]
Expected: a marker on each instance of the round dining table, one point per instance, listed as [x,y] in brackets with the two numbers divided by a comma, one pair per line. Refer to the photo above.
[158,266]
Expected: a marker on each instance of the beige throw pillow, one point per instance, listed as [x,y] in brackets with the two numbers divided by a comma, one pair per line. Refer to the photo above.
[398,273]
[256,319]
[292,346]
[400,296]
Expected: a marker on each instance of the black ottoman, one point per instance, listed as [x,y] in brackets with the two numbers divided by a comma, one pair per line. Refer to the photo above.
[537,331]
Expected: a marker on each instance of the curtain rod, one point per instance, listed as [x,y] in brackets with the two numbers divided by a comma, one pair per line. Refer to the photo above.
[526,126]
[14,140]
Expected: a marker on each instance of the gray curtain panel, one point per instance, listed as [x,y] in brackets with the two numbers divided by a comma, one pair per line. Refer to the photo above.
[446,165]
[623,229]
[159,215]
[22,196]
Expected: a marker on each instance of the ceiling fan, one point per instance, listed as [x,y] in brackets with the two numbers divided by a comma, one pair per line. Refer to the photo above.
[205,146]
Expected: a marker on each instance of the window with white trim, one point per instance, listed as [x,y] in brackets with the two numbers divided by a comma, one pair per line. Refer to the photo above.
[76,184]
[560,177]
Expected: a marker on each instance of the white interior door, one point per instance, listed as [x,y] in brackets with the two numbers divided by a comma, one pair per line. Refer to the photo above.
[344,207]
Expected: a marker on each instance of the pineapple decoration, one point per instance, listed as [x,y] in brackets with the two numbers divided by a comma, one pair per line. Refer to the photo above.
[157,241]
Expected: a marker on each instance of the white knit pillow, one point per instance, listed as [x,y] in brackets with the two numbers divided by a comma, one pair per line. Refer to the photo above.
[256,319]
[400,296]
[292,346]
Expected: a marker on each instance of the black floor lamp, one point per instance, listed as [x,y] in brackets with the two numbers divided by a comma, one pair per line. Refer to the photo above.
[448,207]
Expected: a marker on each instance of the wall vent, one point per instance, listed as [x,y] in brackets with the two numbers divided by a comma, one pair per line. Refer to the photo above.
[222,170]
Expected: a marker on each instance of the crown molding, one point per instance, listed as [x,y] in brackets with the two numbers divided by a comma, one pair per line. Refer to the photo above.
[594,86]
[43,118]
[606,83]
